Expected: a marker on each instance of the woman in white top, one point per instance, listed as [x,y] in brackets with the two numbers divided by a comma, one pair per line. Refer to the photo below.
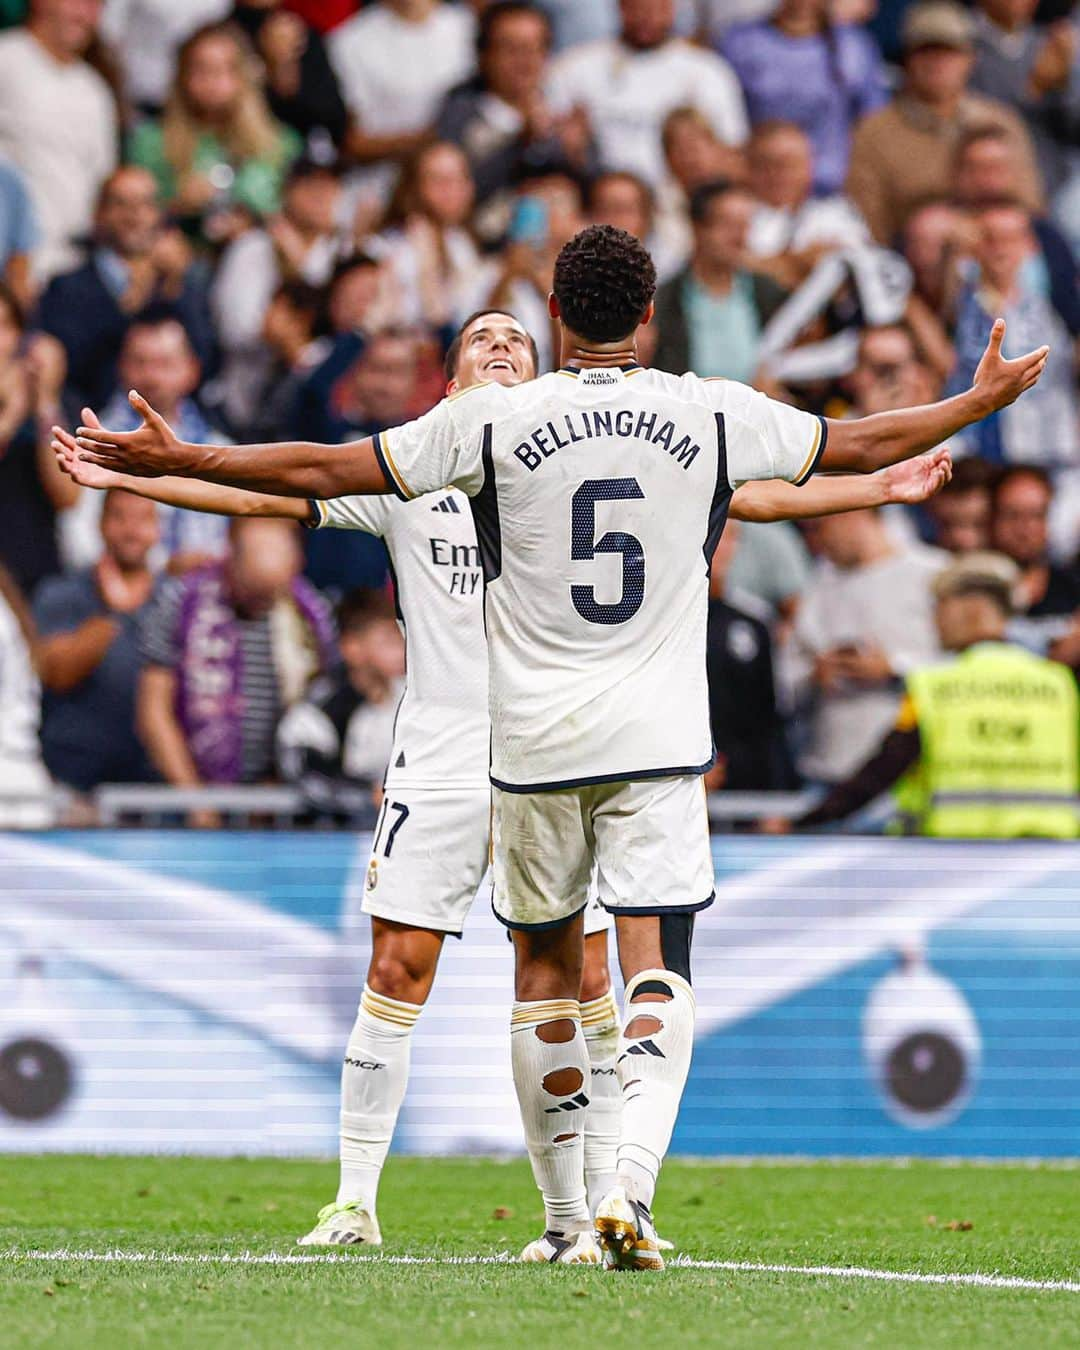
[426,238]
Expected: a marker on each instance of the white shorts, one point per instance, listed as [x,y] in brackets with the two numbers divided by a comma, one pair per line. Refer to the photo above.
[430,854]
[649,840]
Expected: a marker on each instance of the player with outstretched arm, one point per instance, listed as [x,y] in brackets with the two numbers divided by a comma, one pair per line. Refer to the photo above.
[598,493]
[431,843]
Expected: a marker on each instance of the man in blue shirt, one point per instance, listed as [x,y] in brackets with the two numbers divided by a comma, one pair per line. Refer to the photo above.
[89,655]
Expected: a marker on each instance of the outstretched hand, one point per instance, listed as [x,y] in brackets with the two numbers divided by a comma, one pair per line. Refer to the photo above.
[916,480]
[1001,382]
[149,451]
[66,449]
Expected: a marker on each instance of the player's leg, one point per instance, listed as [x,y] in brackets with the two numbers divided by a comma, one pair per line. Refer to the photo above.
[374,1076]
[655,872]
[415,893]
[600,1024]
[541,866]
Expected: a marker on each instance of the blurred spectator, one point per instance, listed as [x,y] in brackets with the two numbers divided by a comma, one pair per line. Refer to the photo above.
[136,263]
[1037,71]
[57,122]
[888,373]
[548,212]
[935,235]
[378,393]
[865,620]
[88,652]
[217,152]
[20,233]
[227,648]
[693,156]
[501,118]
[360,300]
[986,172]
[1047,596]
[629,84]
[291,352]
[335,743]
[33,491]
[146,33]
[302,243]
[396,61]
[804,67]
[902,154]
[789,227]
[158,361]
[710,317]
[959,515]
[965,779]
[426,239]
[1010,281]
[747,729]
[23,778]
[301,86]
[626,201]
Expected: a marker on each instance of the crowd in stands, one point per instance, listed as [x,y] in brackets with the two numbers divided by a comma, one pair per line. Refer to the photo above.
[270,216]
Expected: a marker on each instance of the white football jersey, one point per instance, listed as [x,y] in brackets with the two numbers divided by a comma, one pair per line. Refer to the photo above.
[442,732]
[598,498]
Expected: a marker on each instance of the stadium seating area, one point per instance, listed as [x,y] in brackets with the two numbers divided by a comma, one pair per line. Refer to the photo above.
[271,217]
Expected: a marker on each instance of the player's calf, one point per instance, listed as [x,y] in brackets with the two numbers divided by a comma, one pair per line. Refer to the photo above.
[551,1075]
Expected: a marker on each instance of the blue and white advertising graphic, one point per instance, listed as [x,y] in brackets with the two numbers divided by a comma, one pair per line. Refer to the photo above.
[193,992]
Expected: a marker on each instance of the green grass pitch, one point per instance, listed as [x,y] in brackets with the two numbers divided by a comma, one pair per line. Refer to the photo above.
[1024,1222]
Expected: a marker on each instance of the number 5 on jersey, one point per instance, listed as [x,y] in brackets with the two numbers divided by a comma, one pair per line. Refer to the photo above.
[584,546]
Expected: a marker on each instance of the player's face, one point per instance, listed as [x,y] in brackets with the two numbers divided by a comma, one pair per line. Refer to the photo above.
[494,347]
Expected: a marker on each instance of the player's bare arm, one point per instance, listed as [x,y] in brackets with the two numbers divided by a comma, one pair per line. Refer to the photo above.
[291,468]
[867,443]
[910,482]
[190,493]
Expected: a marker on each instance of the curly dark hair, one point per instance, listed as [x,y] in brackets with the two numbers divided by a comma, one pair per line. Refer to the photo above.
[604,281]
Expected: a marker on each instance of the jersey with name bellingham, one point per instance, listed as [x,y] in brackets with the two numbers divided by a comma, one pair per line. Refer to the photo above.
[441,732]
[598,498]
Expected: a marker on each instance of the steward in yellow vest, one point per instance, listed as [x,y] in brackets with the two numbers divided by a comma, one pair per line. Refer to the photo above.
[987,745]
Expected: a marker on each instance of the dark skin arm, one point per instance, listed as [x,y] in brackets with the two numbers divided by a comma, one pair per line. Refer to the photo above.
[288,469]
[304,469]
[864,444]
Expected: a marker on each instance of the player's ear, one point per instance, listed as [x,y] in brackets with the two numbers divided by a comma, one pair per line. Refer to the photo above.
[647,317]
[452,387]
[553,307]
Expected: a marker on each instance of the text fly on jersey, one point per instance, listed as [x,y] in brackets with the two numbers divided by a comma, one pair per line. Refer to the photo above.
[592,422]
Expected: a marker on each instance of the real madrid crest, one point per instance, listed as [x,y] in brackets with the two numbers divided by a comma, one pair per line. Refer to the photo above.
[372,875]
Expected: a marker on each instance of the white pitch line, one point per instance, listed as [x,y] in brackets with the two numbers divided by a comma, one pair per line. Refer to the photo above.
[973,1279]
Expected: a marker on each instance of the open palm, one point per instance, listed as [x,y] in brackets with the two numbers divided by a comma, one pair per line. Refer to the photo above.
[66,449]
[1000,381]
[916,480]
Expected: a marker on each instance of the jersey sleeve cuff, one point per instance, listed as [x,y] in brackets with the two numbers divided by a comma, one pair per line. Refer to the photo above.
[389,468]
[814,458]
[316,515]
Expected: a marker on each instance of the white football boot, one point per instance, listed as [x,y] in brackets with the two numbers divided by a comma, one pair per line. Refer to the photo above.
[575,1247]
[348,1225]
[626,1232]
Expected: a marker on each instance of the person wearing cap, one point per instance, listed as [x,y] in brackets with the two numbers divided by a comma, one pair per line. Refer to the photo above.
[987,744]
[901,155]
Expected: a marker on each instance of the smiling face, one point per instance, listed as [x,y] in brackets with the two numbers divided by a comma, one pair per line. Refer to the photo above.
[494,347]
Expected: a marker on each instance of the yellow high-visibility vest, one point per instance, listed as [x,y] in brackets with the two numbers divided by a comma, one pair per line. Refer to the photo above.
[1000,735]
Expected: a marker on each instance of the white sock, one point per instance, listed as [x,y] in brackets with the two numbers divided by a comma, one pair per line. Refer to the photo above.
[373,1081]
[600,1025]
[653,1065]
[554,1122]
